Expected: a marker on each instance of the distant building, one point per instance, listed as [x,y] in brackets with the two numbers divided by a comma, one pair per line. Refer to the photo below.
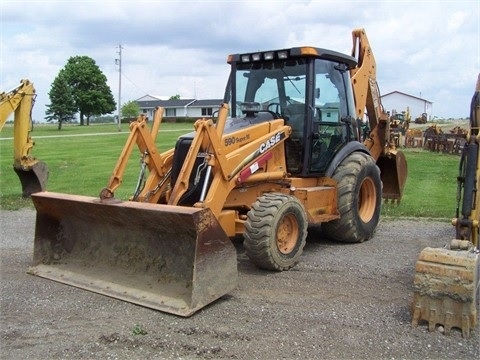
[191,108]
[398,102]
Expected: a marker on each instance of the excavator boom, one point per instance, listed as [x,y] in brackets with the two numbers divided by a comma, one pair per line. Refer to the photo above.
[392,163]
[33,173]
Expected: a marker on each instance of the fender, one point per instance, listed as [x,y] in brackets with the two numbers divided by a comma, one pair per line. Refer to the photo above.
[349,148]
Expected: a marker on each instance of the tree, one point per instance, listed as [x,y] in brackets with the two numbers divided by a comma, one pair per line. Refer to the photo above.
[62,107]
[89,87]
[175,97]
[130,109]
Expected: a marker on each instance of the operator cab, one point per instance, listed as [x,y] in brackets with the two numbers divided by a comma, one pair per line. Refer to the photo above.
[307,87]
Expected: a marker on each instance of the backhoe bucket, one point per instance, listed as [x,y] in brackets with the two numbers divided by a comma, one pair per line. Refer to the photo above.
[34,179]
[393,169]
[446,289]
[170,258]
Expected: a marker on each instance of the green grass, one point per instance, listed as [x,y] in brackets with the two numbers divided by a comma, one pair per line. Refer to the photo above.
[79,165]
[83,165]
[431,187]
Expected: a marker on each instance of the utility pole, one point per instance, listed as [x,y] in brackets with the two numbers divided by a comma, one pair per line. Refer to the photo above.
[119,63]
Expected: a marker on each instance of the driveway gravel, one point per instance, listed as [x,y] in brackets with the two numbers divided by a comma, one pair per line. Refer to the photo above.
[340,302]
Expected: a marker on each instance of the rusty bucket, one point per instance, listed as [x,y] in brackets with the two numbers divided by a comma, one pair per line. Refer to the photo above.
[170,258]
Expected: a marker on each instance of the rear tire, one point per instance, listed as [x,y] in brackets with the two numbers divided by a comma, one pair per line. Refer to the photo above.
[275,231]
[359,198]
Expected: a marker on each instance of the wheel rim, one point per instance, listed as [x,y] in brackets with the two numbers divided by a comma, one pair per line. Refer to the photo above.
[287,234]
[367,200]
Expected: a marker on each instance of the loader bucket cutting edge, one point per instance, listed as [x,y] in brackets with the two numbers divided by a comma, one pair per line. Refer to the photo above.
[393,169]
[169,258]
[33,179]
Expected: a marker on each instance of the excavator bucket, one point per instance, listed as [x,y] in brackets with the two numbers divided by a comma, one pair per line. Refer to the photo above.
[446,287]
[170,258]
[34,179]
[393,169]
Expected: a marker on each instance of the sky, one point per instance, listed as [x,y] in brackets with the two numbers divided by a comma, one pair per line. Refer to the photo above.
[428,49]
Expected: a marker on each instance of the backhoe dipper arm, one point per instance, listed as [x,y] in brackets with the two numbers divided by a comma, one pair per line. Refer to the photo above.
[367,95]
[33,173]
[392,163]
[19,101]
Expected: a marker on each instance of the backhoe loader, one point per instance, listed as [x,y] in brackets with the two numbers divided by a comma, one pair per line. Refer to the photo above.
[447,280]
[285,151]
[33,173]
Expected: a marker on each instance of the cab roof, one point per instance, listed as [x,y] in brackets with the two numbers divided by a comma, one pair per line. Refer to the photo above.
[296,52]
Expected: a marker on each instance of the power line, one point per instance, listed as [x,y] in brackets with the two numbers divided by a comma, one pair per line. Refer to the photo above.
[134,84]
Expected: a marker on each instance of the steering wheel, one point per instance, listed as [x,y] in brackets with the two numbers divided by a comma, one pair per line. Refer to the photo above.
[277,111]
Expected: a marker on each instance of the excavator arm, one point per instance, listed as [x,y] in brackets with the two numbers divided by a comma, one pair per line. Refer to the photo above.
[33,173]
[366,93]
[392,163]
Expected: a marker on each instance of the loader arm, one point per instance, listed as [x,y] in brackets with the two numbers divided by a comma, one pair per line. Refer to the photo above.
[158,164]
[228,165]
[207,137]
[33,173]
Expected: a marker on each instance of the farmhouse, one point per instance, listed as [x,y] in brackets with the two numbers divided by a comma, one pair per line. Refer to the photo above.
[179,108]
[397,101]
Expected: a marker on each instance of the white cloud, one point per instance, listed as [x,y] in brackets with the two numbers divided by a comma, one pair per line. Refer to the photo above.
[456,20]
[180,47]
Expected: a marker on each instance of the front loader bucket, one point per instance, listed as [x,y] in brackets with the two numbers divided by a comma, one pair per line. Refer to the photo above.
[393,169]
[33,179]
[170,258]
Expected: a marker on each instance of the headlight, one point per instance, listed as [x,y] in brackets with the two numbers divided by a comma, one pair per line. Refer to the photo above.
[256,57]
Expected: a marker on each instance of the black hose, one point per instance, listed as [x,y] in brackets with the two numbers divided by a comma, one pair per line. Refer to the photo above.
[469,190]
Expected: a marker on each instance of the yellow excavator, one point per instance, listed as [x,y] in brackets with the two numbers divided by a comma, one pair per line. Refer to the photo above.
[33,173]
[447,280]
[289,147]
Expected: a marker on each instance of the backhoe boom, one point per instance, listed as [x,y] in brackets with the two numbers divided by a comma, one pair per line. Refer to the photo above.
[33,173]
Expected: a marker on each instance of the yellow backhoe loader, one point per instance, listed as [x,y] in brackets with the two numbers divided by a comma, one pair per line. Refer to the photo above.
[286,150]
[33,173]
[447,280]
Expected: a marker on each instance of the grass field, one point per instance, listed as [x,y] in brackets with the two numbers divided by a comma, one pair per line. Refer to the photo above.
[81,160]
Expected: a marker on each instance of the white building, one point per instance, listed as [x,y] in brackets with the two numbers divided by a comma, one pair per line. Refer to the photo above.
[398,102]
[191,108]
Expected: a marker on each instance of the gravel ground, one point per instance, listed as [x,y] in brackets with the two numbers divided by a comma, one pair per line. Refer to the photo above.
[340,302]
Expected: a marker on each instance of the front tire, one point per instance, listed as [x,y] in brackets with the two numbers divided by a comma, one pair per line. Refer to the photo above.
[359,197]
[275,231]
